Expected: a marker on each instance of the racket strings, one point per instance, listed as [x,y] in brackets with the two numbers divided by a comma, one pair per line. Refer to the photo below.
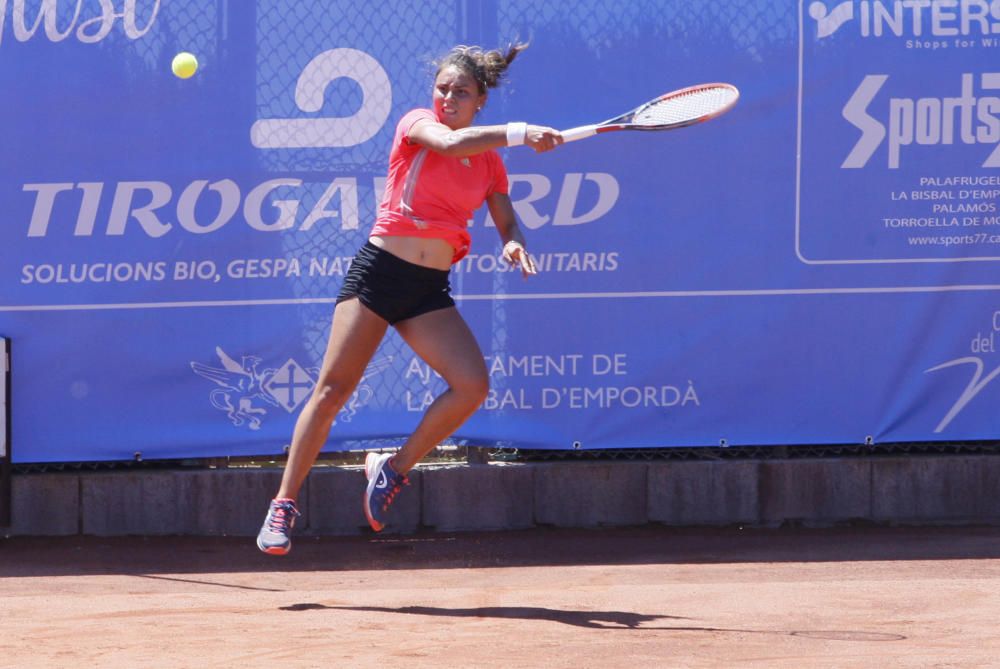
[685,107]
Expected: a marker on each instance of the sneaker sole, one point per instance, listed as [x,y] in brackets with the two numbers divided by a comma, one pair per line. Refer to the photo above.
[371,467]
[273,550]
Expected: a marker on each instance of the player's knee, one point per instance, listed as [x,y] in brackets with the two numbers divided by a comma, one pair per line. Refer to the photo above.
[473,388]
[330,396]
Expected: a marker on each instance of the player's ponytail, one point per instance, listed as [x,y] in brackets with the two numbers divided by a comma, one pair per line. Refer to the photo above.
[486,67]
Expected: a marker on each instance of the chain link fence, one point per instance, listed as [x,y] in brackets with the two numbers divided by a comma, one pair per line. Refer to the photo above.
[472,454]
[287,36]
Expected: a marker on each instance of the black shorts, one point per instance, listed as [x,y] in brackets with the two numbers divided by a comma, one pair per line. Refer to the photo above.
[394,288]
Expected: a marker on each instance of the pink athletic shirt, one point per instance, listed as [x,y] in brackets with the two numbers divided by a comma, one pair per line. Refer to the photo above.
[431,195]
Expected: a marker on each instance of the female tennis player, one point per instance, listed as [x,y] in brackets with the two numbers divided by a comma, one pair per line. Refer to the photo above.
[441,169]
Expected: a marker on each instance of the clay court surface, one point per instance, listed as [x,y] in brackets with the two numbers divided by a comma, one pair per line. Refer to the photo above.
[648,597]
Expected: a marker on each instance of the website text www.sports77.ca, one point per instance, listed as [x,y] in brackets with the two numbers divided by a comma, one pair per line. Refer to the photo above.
[970,239]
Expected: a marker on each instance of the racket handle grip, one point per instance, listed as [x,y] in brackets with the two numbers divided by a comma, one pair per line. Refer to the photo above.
[580,132]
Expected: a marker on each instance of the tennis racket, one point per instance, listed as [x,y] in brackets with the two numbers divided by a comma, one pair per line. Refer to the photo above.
[679,109]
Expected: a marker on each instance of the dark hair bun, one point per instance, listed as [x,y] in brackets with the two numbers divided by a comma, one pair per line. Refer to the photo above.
[486,67]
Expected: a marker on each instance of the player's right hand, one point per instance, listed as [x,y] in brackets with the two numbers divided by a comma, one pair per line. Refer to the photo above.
[542,138]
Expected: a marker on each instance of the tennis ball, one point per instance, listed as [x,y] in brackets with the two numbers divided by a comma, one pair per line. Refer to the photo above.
[184,65]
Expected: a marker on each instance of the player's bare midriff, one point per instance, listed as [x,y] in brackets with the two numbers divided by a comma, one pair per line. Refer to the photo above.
[424,251]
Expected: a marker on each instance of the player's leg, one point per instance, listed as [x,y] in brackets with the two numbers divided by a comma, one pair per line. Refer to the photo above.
[443,340]
[354,337]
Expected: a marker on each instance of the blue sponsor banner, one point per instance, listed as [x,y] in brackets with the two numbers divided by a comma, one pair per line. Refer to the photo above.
[816,266]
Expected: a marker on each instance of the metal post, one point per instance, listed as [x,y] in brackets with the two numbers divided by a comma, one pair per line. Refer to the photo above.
[6,484]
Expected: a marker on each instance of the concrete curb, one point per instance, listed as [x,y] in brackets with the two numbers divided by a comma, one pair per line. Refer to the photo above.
[499,496]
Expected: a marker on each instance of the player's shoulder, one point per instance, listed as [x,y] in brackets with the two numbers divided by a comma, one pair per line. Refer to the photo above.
[414,115]
[410,119]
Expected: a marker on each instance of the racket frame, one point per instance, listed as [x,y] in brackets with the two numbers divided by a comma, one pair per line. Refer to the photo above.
[621,122]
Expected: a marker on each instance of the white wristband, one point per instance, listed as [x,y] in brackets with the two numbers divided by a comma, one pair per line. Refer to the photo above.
[516,132]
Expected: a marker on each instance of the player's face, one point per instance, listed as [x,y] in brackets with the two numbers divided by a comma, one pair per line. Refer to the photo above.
[456,98]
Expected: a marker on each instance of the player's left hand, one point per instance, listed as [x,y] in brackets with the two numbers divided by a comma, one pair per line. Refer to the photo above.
[518,256]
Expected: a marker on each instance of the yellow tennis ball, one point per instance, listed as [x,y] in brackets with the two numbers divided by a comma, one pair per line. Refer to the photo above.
[184,65]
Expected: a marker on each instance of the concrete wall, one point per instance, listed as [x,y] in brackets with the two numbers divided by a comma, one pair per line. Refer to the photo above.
[918,490]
